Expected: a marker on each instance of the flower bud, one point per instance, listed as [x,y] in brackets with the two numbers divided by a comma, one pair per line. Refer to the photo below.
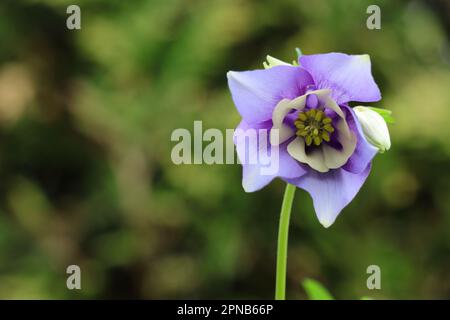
[374,128]
[272,62]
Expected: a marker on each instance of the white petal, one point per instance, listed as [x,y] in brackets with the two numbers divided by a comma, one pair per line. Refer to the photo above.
[331,104]
[315,159]
[337,158]
[284,131]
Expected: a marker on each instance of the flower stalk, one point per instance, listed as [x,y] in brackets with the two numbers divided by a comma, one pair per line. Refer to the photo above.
[283,234]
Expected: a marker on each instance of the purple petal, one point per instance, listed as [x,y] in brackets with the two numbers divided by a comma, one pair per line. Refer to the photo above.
[364,151]
[331,191]
[312,101]
[253,177]
[349,76]
[256,93]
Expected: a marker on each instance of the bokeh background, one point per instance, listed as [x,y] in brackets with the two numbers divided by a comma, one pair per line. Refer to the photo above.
[86,176]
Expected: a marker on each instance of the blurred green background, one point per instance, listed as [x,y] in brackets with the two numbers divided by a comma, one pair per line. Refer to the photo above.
[86,176]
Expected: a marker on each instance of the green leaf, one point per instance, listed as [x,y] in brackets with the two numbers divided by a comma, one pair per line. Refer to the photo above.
[366,298]
[385,113]
[316,291]
[381,111]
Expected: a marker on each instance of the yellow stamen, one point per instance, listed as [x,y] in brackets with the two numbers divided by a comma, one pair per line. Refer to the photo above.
[314,126]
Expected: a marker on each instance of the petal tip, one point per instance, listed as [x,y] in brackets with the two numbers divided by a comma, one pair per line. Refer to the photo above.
[230,74]
[326,223]
[247,188]
[364,57]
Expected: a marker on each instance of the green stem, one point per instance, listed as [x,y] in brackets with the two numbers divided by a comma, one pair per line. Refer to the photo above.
[283,232]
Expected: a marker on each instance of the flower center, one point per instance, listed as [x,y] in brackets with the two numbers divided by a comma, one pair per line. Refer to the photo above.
[314,126]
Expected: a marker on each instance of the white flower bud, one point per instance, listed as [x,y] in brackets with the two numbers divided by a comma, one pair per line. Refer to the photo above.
[272,62]
[374,128]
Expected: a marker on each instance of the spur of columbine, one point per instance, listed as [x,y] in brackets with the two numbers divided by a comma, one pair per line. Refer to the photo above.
[325,146]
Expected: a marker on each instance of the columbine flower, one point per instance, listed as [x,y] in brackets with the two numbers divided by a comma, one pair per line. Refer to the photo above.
[374,127]
[322,146]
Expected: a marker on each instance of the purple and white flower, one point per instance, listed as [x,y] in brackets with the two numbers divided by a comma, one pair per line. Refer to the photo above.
[324,146]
